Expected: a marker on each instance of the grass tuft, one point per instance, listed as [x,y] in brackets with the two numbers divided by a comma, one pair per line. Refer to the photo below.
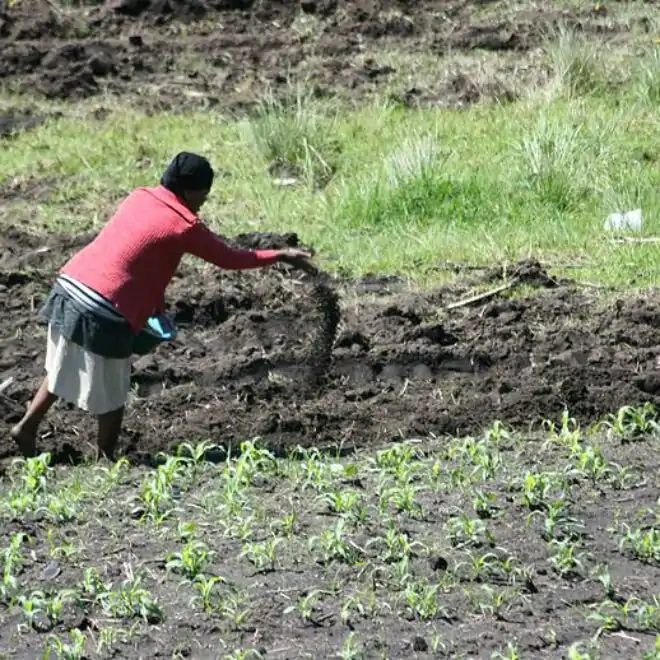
[550,161]
[295,137]
[649,78]
[411,188]
[577,64]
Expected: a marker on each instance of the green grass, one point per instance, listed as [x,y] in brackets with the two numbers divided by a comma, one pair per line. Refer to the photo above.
[423,543]
[383,188]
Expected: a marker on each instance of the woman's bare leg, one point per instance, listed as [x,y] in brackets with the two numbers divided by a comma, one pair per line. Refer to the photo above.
[108,433]
[25,432]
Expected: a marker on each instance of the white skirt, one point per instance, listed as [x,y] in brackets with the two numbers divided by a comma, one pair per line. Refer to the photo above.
[95,384]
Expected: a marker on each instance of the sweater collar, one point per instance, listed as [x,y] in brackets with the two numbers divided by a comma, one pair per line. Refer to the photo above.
[170,199]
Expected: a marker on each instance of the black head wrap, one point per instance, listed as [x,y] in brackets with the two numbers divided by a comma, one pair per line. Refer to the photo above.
[187,172]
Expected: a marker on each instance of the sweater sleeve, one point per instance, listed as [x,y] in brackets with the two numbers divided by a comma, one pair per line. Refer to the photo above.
[201,242]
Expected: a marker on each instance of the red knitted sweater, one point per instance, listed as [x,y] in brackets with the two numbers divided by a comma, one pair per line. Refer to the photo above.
[134,257]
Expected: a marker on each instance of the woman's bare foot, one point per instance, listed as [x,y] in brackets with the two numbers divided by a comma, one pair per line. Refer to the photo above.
[25,439]
[25,432]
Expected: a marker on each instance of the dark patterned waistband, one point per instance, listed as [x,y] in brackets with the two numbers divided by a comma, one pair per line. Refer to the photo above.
[86,319]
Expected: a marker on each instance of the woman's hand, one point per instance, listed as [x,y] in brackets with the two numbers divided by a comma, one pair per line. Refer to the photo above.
[298,259]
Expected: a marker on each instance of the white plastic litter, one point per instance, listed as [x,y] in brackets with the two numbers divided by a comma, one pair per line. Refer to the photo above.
[629,220]
[285,183]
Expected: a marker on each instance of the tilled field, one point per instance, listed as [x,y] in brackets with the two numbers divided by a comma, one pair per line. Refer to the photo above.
[266,354]
[174,54]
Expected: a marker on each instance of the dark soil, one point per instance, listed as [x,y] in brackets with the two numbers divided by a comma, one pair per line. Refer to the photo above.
[260,354]
[540,605]
[170,53]
[503,574]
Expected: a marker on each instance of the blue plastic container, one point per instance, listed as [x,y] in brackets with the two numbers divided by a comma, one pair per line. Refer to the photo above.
[157,330]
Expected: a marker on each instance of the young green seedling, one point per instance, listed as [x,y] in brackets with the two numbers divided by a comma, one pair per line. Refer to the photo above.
[73,649]
[110,476]
[130,599]
[422,600]
[401,573]
[647,615]
[59,508]
[287,524]
[314,472]
[556,522]
[306,606]
[631,424]
[511,653]
[354,606]
[590,463]
[35,473]
[578,651]
[400,461]
[497,435]
[654,653]
[243,654]
[397,545]
[496,602]
[485,504]
[644,544]
[479,454]
[42,611]
[621,477]
[459,478]
[233,609]
[109,638]
[565,559]
[30,480]
[568,435]
[403,497]
[539,487]
[347,503]
[191,561]
[263,555]
[156,491]
[608,617]
[92,587]
[465,531]
[197,453]
[252,460]
[351,649]
[603,575]
[12,563]
[207,591]
[334,546]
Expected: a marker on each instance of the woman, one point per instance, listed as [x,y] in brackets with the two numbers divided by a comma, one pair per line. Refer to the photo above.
[106,293]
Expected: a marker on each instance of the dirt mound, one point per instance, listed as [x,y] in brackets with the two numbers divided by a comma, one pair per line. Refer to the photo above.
[19,250]
[261,354]
[14,122]
[175,52]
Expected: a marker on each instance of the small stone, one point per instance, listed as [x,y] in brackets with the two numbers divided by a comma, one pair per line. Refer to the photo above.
[131,8]
[101,65]
[419,645]
[439,564]
[51,571]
